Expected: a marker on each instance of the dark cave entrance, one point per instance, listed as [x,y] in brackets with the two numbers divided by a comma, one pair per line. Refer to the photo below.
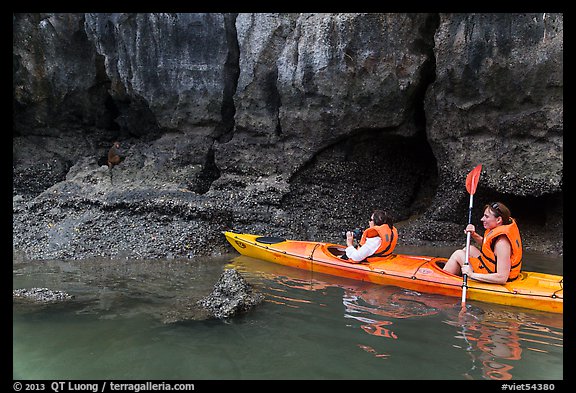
[372,169]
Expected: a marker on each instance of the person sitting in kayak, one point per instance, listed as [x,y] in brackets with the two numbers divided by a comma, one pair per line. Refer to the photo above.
[378,240]
[500,258]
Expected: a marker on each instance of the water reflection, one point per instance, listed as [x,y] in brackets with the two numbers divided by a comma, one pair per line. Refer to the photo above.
[491,338]
[494,338]
[311,326]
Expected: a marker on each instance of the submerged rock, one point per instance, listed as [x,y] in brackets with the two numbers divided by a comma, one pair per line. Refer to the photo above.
[231,295]
[40,295]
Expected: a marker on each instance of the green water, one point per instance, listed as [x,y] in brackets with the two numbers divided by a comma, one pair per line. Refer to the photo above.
[310,326]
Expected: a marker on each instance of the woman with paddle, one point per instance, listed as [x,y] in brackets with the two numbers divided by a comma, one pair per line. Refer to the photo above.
[500,258]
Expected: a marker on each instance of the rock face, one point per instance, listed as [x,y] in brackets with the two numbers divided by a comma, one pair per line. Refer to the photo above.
[499,84]
[231,295]
[40,295]
[292,125]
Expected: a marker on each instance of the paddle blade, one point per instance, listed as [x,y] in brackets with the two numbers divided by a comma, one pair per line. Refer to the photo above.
[472,179]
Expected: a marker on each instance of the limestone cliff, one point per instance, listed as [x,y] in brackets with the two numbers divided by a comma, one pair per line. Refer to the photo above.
[296,125]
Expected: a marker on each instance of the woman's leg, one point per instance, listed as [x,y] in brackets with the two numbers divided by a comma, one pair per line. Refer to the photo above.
[454,264]
[456,260]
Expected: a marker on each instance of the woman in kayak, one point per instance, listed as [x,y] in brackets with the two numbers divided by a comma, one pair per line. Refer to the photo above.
[500,258]
[378,240]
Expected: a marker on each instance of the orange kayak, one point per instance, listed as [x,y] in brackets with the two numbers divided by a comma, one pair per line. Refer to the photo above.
[537,291]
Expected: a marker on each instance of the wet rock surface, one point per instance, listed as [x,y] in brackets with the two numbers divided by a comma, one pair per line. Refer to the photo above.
[40,295]
[232,295]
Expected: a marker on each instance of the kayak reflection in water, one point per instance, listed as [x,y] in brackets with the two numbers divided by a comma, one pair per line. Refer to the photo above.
[500,258]
[496,340]
[378,240]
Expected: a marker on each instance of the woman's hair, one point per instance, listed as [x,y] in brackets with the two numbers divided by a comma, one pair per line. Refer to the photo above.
[500,210]
[381,218]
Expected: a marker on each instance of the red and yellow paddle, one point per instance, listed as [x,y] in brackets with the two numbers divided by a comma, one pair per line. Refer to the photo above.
[471,184]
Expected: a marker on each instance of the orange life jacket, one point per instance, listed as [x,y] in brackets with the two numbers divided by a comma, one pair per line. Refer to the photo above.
[488,259]
[389,239]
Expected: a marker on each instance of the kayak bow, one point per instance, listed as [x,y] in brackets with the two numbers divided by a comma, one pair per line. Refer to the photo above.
[538,291]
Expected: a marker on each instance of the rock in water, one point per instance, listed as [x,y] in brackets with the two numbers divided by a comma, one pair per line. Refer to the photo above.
[230,296]
[40,295]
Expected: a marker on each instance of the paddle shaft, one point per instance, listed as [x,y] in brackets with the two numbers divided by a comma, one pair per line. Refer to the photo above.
[467,257]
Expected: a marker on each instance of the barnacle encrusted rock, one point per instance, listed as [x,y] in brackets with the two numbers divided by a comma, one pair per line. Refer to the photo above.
[231,295]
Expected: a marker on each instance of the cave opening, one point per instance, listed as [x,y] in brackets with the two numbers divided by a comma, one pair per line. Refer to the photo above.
[371,169]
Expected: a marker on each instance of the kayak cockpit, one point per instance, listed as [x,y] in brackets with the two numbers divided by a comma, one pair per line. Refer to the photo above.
[336,251]
[270,239]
